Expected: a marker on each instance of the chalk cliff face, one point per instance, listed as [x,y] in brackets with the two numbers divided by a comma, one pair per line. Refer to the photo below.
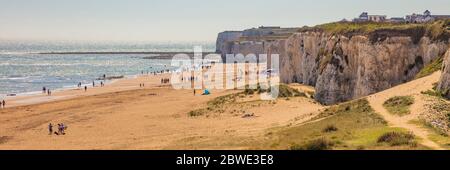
[226,39]
[444,82]
[347,67]
[343,68]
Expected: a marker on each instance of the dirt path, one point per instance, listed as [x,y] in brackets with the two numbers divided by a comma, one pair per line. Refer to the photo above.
[413,88]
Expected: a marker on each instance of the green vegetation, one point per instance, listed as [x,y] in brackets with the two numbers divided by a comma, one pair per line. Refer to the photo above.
[429,69]
[351,125]
[398,139]
[318,144]
[436,93]
[442,140]
[286,91]
[195,113]
[378,31]
[330,128]
[215,105]
[283,91]
[399,105]
[365,27]
[436,135]
[219,104]
[325,61]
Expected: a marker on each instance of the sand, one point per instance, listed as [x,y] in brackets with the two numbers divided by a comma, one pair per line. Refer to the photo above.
[124,116]
[412,88]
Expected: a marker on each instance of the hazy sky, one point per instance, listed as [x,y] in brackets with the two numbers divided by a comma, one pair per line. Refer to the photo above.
[181,20]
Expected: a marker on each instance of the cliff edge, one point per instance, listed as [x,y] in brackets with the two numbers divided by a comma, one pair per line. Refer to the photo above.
[345,61]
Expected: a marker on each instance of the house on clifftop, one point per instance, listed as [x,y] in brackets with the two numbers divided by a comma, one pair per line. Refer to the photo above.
[425,17]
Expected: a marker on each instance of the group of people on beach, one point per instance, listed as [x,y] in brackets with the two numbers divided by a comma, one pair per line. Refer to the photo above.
[85,87]
[190,79]
[46,90]
[61,129]
[3,104]
[165,80]
[93,84]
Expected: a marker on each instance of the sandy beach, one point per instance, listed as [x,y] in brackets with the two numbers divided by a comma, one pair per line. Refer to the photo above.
[123,115]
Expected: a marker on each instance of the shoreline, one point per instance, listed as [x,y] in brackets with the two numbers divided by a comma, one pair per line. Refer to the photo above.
[116,85]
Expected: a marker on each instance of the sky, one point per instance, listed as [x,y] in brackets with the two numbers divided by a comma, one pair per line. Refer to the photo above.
[181,20]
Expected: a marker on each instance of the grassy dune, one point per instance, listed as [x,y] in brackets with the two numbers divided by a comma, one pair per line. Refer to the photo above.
[354,126]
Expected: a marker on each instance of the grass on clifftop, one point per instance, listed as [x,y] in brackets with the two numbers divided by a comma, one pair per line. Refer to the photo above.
[379,31]
[364,27]
[351,125]
[399,105]
[429,69]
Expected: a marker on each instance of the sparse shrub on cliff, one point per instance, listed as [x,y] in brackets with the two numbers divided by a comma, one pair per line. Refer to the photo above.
[399,105]
[438,30]
[326,59]
[286,91]
[435,93]
[429,69]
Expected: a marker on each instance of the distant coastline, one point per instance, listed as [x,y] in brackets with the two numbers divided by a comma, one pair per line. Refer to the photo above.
[156,55]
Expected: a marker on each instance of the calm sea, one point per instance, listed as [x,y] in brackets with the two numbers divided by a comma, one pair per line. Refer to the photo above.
[22,71]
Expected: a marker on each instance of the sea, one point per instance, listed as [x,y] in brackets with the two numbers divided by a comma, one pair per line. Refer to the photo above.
[25,70]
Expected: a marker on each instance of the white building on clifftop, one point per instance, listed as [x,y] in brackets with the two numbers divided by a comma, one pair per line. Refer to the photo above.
[365,17]
[425,17]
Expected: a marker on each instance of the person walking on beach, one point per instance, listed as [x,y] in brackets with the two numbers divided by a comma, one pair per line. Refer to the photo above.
[50,129]
[44,90]
[3,104]
[59,129]
[49,92]
[93,83]
[63,128]
[85,88]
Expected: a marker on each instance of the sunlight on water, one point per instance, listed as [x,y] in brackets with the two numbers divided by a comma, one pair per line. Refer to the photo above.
[22,72]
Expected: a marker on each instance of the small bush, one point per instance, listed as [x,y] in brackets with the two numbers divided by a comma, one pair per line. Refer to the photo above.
[286,91]
[330,128]
[436,93]
[399,105]
[196,113]
[318,144]
[397,139]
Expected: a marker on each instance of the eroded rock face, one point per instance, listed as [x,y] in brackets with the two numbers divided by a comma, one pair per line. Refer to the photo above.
[444,82]
[226,39]
[343,68]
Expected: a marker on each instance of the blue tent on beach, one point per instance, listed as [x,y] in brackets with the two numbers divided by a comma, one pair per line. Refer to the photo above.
[206,92]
